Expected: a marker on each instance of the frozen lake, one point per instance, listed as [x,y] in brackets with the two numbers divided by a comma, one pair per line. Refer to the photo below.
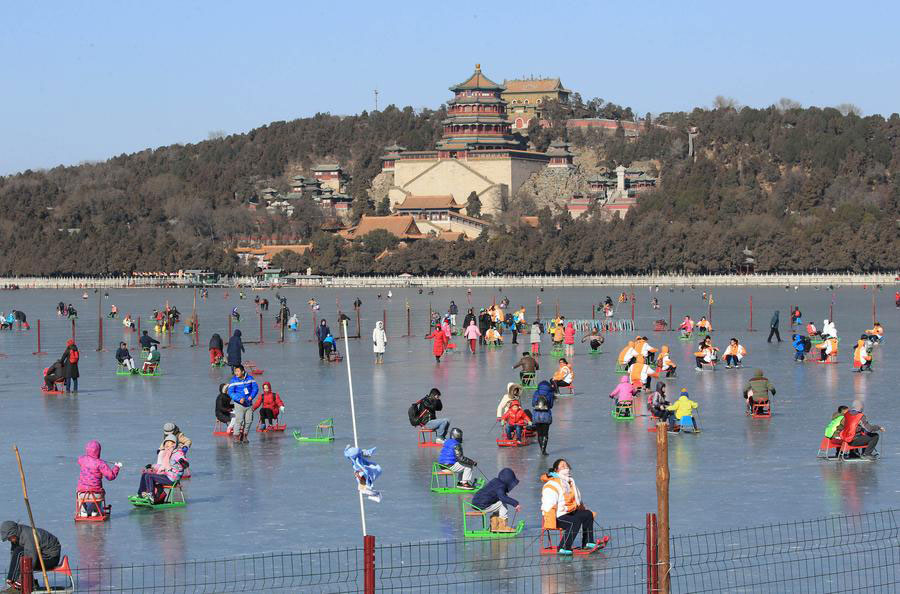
[275,494]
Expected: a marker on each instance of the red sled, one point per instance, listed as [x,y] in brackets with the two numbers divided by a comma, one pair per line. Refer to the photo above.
[271,428]
[221,430]
[46,391]
[550,546]
[512,443]
[427,438]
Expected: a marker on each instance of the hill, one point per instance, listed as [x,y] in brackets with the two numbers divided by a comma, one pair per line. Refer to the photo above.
[807,189]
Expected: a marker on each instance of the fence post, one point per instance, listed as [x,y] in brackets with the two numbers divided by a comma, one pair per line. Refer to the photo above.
[632,310]
[73,328]
[358,325]
[26,574]
[39,351]
[593,312]
[384,321]
[652,552]
[139,326]
[99,325]
[750,329]
[229,324]
[369,564]
[261,338]
[662,504]
[873,306]
[671,329]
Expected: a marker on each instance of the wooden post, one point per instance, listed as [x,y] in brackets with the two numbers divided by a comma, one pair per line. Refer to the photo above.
[671,329]
[358,325]
[557,307]
[408,323]
[384,321]
[538,310]
[73,328]
[369,564]
[26,574]
[652,553]
[314,326]
[709,301]
[662,504]
[593,312]
[37,544]
[229,324]
[874,319]
[99,324]
[39,351]
[632,310]
[262,339]
[139,326]
[750,328]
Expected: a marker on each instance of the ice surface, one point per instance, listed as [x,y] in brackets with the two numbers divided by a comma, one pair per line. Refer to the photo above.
[275,494]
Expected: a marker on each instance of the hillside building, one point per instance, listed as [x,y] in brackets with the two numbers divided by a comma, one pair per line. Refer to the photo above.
[525,97]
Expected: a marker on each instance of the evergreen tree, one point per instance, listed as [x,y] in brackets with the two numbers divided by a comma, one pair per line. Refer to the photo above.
[473,205]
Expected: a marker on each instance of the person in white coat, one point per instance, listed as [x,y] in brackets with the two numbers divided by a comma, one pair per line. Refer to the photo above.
[379,341]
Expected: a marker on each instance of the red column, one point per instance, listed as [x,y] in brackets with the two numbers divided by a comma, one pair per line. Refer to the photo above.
[369,564]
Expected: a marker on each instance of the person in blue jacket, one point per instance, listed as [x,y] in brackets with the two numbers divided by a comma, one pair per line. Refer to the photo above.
[234,349]
[494,497]
[322,333]
[452,457]
[800,347]
[541,415]
[242,390]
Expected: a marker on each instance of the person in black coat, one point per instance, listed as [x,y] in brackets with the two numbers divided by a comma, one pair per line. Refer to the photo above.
[773,328]
[147,341]
[224,405]
[494,497]
[235,348]
[69,361]
[216,348]
[322,333]
[484,322]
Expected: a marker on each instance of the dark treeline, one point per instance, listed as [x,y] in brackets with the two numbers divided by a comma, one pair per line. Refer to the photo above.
[806,189]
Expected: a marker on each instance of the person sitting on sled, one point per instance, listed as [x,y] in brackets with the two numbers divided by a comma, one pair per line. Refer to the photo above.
[811,329]
[516,420]
[182,441]
[686,327]
[562,508]
[665,362]
[623,394]
[494,498]
[152,361]
[513,394]
[564,375]
[169,468]
[827,348]
[706,353]
[659,405]
[235,314]
[365,470]
[224,405]
[596,339]
[802,345]
[90,477]
[493,337]
[734,354]
[758,390]
[683,408]
[53,374]
[862,355]
[331,352]
[704,325]
[124,358]
[270,406]
[452,457]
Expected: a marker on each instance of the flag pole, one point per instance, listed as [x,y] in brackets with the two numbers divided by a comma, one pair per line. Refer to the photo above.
[362,505]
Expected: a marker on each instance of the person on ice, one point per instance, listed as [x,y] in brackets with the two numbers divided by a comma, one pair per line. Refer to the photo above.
[683,409]
[562,507]
[564,375]
[811,329]
[169,468]
[513,394]
[452,457]
[569,339]
[802,345]
[216,346]
[758,390]
[439,344]
[527,364]
[152,362]
[124,358]
[235,349]
[624,392]
[424,414]
[773,327]
[516,420]
[665,362]
[494,498]
[243,390]
[365,470]
[827,348]
[535,338]
[704,325]
[659,405]
[734,354]
[182,441]
[595,338]
[69,362]
[542,413]
[147,341]
[224,406]
[235,313]
[21,541]
[472,334]
[270,406]
[862,356]
[90,477]
[686,327]
[493,337]
[379,342]
[53,374]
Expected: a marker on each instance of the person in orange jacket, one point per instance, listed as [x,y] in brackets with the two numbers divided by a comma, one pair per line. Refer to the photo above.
[270,406]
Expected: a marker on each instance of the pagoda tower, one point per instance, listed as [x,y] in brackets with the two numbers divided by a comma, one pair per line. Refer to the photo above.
[476,119]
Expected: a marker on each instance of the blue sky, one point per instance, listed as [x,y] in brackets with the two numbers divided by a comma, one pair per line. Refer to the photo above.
[90,80]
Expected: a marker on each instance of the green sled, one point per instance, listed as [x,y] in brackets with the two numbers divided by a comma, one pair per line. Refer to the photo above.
[324,433]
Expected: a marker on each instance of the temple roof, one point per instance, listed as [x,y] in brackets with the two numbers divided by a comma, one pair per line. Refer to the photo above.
[467,100]
[536,85]
[428,202]
[394,148]
[477,81]
[327,167]
[402,227]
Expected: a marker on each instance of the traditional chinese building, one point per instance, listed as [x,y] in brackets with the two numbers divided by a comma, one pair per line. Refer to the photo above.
[331,175]
[477,153]
[525,98]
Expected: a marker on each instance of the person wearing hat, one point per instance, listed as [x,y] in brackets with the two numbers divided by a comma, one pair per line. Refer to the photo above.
[182,441]
[683,408]
[21,540]
[243,390]
[169,468]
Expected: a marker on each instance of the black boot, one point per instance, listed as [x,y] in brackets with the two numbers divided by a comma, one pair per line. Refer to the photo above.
[542,441]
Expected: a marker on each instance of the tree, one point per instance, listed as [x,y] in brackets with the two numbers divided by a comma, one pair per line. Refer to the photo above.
[473,205]
[384,207]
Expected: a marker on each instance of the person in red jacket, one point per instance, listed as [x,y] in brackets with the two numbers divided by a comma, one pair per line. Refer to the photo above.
[270,405]
[440,342]
[515,419]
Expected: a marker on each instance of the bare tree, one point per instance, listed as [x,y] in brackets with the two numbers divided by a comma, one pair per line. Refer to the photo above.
[785,104]
[723,102]
[849,109]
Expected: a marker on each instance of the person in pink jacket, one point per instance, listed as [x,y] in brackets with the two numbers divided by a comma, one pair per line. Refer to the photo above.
[624,392]
[472,334]
[93,471]
[569,339]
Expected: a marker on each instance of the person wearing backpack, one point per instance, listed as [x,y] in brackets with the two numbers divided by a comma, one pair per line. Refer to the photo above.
[541,415]
[69,362]
[423,413]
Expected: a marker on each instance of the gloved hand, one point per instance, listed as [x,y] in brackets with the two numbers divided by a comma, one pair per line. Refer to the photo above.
[184,450]
[281,409]
[118,464]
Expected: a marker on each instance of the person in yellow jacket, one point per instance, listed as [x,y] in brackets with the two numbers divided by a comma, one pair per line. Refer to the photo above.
[562,507]
[683,408]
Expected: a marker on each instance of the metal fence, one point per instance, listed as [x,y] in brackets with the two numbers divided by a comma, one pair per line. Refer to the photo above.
[836,554]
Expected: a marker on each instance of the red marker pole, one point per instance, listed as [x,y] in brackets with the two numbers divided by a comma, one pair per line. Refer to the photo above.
[261,339]
[229,325]
[39,351]
[671,329]
[73,328]
[750,328]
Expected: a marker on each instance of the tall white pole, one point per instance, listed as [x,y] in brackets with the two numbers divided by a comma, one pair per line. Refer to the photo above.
[362,505]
